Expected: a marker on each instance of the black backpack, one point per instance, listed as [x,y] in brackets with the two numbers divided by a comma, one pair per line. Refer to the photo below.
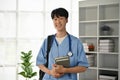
[49,43]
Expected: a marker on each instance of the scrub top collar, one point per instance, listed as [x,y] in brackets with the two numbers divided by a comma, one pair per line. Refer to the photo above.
[69,40]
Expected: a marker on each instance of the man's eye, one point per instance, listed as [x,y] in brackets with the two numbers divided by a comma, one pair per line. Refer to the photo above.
[55,19]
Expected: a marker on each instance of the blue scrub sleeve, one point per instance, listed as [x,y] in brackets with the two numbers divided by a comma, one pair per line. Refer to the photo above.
[82,60]
[41,54]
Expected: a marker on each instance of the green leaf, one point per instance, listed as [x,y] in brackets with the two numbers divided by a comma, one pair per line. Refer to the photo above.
[26,65]
[23,74]
[34,74]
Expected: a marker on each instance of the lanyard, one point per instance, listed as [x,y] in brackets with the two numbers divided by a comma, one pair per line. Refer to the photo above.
[69,40]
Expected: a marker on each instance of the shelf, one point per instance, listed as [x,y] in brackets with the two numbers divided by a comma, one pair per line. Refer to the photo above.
[108,61]
[93,68]
[87,29]
[90,74]
[93,15]
[87,36]
[88,13]
[109,72]
[109,36]
[109,20]
[105,20]
[110,53]
[109,69]
[113,25]
[110,11]
[92,21]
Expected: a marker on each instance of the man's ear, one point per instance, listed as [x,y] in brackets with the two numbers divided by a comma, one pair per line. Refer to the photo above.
[66,20]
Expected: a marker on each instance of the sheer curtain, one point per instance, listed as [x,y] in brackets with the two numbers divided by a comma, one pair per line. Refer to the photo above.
[23,26]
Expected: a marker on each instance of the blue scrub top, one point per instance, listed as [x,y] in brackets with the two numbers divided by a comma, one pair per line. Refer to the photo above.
[78,57]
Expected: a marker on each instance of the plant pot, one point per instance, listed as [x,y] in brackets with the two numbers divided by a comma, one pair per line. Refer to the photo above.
[105,32]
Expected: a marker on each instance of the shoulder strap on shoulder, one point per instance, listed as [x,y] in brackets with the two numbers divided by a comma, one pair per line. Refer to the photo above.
[49,44]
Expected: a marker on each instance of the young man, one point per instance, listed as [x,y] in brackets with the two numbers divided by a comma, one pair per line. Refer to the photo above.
[64,44]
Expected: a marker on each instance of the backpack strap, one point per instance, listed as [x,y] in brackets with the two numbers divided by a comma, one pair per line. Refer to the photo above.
[49,44]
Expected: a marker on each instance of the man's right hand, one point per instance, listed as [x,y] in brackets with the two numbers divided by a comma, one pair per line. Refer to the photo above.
[54,73]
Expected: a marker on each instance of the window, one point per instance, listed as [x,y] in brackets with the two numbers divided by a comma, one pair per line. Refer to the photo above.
[23,26]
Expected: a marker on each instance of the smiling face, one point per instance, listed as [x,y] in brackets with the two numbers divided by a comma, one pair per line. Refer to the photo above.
[60,23]
[60,18]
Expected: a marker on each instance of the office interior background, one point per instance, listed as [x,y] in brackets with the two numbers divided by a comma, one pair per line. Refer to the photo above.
[23,26]
[25,23]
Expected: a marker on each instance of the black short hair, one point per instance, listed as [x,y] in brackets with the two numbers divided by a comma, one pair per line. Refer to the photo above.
[59,12]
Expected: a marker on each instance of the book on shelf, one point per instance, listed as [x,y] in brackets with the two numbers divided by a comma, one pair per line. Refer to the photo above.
[105,40]
[106,45]
[90,59]
[106,48]
[106,77]
[85,46]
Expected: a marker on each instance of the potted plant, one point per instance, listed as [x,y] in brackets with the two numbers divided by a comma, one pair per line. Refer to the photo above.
[26,65]
[105,30]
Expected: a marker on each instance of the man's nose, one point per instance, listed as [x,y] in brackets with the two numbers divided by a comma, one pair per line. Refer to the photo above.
[58,21]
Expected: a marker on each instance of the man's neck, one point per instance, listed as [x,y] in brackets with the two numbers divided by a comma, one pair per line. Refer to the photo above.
[61,34]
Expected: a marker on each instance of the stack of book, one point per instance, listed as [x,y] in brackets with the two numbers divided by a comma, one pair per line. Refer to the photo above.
[106,77]
[106,45]
[85,45]
[90,59]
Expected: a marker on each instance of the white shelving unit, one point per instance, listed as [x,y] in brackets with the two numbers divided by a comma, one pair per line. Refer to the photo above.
[93,15]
